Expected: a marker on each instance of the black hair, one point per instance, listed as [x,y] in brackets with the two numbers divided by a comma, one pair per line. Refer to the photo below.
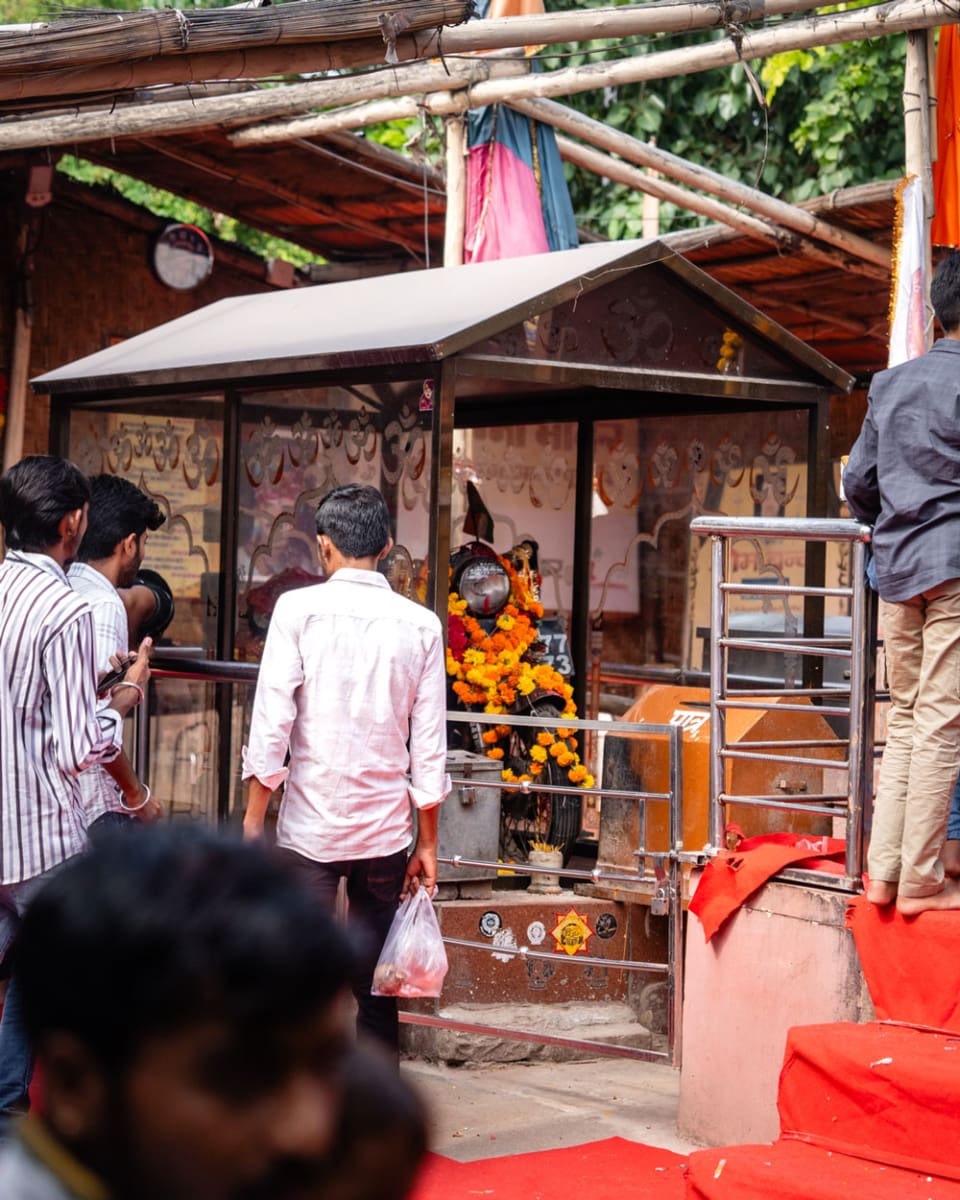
[35,495]
[945,292]
[117,509]
[158,929]
[355,518]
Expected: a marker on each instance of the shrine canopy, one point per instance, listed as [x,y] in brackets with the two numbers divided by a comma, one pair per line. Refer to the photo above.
[630,316]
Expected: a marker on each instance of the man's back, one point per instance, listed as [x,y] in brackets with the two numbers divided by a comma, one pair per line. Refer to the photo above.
[904,472]
[40,818]
[366,666]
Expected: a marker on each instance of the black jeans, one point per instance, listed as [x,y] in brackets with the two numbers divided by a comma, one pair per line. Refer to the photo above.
[373,891]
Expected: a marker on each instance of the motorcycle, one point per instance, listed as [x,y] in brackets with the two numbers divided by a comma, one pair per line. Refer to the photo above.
[503,656]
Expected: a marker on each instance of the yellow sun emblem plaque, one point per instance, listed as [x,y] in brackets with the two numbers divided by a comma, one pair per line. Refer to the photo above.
[571,932]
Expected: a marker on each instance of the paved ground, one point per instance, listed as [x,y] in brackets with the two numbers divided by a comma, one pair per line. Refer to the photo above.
[485,1111]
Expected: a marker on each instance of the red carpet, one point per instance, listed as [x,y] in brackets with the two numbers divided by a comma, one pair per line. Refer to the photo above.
[911,963]
[795,1171]
[613,1169]
[890,1093]
[731,878]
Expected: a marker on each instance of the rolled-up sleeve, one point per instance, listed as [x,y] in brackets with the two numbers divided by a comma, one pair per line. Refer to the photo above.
[429,781]
[274,706]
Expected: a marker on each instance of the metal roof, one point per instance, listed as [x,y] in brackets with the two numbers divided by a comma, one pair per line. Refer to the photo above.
[416,317]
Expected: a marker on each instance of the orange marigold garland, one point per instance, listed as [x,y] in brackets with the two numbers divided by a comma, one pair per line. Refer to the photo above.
[490,670]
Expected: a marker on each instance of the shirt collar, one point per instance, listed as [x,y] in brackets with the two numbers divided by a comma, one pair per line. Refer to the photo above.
[85,571]
[78,1180]
[352,575]
[43,561]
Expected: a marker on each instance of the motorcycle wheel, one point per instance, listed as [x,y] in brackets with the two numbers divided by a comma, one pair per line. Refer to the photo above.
[533,816]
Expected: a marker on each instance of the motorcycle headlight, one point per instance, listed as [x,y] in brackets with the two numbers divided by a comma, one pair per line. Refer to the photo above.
[485,586]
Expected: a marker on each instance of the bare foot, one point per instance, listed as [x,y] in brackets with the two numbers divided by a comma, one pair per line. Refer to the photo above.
[950,857]
[881,892]
[949,898]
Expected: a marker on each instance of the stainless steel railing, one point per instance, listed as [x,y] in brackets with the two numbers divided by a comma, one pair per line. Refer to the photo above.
[850,700]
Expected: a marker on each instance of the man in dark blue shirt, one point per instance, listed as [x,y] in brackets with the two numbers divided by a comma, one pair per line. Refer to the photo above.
[903,476]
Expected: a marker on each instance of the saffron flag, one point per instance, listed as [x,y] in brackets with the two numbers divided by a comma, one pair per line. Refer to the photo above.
[907,318]
[517,197]
[945,230]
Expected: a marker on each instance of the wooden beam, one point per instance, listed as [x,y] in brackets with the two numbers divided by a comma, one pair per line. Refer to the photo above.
[895,16]
[456,214]
[338,214]
[19,390]
[245,62]
[704,179]
[612,168]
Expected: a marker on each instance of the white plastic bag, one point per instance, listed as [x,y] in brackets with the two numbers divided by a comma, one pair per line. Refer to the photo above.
[413,960]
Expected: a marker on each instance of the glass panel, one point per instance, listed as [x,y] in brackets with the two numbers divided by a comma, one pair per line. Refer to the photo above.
[177,460]
[295,446]
[526,476]
[650,583]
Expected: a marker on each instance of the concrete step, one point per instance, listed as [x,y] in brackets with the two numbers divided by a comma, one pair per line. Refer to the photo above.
[607,1023]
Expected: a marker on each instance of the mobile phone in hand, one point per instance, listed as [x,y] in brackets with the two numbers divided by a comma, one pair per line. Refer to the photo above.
[112,678]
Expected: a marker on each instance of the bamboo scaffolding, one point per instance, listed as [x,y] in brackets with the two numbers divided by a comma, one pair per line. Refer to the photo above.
[241,61]
[93,39]
[896,16]
[160,118]
[621,172]
[705,180]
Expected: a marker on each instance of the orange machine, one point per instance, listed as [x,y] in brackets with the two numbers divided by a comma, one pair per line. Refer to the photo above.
[637,761]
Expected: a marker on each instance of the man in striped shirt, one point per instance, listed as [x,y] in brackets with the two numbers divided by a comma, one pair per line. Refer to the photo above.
[52,726]
[109,557]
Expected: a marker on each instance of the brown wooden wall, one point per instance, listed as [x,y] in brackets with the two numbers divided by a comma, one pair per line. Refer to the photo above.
[93,283]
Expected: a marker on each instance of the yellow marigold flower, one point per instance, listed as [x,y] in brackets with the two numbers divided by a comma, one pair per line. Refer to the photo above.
[538,754]
[507,775]
[491,736]
[525,685]
[545,737]
[496,752]
[473,657]
[589,781]
[576,774]
[566,758]
[453,667]
[505,622]
[492,707]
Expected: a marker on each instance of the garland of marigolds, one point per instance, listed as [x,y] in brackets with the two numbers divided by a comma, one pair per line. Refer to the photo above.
[491,669]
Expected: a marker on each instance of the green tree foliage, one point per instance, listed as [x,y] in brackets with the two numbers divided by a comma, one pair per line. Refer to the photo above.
[832,118]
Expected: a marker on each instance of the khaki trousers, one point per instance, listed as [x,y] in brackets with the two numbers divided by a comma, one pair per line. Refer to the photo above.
[921,759]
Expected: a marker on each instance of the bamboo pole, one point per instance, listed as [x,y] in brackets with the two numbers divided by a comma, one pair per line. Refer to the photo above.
[157,118]
[918,155]
[456,212]
[854,25]
[646,155]
[243,62]
[768,231]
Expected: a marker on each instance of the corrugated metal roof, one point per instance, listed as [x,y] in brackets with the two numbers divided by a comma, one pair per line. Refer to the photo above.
[415,317]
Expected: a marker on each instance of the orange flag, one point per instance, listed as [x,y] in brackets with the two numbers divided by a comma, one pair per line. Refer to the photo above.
[945,230]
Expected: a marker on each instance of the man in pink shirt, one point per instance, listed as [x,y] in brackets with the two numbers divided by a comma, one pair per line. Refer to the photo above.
[353,684]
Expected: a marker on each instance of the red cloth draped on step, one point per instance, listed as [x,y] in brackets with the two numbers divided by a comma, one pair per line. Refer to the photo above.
[910,963]
[733,876]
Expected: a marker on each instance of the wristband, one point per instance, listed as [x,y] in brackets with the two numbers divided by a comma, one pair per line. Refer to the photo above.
[146,799]
[128,683]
